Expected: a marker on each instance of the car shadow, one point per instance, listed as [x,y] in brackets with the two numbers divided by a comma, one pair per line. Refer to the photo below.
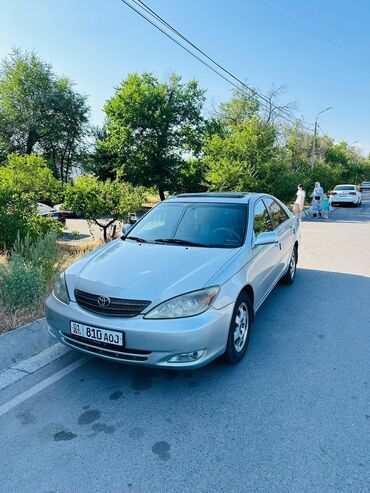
[298,326]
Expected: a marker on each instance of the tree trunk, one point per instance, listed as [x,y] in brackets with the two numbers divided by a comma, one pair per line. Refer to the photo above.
[105,228]
[31,141]
[161,193]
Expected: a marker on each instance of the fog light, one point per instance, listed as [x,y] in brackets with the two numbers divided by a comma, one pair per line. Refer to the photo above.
[187,357]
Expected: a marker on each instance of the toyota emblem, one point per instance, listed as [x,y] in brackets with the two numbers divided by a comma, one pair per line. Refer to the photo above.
[103,301]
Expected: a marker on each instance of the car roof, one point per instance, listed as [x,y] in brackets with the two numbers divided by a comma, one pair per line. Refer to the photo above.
[345,185]
[221,197]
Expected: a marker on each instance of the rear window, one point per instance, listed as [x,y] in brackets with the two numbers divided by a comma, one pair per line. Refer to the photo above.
[345,187]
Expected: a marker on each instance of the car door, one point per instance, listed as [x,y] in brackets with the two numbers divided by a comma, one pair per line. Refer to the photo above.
[265,257]
[284,228]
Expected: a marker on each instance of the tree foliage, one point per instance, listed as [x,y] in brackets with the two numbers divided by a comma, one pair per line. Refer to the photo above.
[110,199]
[245,150]
[41,112]
[24,181]
[150,127]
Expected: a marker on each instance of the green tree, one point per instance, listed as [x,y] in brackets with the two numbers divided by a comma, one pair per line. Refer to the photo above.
[30,176]
[193,174]
[236,160]
[104,203]
[151,127]
[24,181]
[41,112]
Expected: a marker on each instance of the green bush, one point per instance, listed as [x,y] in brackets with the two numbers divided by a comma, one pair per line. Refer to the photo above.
[21,284]
[42,253]
[29,272]
[24,181]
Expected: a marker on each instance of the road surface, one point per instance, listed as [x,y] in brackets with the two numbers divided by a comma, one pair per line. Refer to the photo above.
[294,416]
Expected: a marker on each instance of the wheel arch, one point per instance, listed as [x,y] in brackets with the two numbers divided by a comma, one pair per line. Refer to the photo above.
[249,291]
[296,251]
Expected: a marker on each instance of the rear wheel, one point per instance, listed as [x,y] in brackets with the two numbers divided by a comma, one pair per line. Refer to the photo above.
[289,277]
[240,329]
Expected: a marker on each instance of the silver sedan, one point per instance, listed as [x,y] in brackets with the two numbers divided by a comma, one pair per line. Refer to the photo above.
[182,286]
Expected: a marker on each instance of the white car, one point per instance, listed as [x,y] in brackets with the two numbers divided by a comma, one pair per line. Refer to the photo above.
[182,286]
[345,194]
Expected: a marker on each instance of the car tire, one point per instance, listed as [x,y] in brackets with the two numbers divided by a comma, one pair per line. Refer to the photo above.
[240,329]
[289,276]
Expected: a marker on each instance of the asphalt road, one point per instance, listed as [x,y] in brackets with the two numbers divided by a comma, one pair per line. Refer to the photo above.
[294,416]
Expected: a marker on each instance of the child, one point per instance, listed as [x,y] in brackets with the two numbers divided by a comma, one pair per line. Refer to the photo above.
[299,202]
[325,206]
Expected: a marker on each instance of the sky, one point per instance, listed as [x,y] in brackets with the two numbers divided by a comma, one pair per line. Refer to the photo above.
[318,50]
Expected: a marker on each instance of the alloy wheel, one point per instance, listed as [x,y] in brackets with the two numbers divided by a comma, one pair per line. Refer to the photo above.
[241,327]
[292,265]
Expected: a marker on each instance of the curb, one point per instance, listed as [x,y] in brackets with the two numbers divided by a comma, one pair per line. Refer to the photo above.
[307,212]
[31,365]
[24,342]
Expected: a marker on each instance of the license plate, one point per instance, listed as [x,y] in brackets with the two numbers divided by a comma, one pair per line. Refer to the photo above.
[96,334]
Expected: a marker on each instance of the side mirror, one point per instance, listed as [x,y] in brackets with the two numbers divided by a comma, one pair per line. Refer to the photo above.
[126,229]
[267,238]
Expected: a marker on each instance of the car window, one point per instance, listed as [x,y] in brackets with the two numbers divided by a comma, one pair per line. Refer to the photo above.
[277,213]
[261,219]
[208,224]
[345,187]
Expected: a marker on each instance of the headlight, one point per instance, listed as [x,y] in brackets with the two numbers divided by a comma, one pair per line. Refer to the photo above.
[60,289]
[186,305]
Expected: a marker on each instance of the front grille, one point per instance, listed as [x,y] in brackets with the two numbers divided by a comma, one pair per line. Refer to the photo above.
[103,349]
[117,308]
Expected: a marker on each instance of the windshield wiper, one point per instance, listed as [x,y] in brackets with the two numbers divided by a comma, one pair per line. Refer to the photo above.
[180,242]
[136,238]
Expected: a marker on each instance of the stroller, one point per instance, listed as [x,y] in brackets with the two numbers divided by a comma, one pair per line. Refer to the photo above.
[316,207]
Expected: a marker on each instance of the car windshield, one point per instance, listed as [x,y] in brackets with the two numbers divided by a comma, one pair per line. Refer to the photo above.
[195,224]
[345,187]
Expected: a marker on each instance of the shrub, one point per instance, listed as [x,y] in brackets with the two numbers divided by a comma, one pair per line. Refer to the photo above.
[21,284]
[29,272]
[24,181]
[42,253]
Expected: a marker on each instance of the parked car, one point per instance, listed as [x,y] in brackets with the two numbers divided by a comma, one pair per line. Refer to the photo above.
[47,211]
[135,216]
[182,286]
[66,212]
[365,186]
[345,194]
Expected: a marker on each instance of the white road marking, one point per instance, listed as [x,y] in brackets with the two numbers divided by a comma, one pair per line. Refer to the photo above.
[8,406]
[31,365]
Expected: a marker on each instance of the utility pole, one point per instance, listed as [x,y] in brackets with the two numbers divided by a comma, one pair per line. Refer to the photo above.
[313,152]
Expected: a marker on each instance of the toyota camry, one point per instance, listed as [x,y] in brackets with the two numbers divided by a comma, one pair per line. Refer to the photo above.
[182,286]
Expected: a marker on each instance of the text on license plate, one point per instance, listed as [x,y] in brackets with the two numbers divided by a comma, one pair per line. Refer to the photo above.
[96,334]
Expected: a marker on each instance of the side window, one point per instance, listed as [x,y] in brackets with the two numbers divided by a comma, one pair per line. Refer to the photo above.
[261,219]
[277,213]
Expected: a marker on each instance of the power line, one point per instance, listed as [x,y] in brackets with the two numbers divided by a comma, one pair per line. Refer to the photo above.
[333,26]
[283,113]
[246,86]
[339,46]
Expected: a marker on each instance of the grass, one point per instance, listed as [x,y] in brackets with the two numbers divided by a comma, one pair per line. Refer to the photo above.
[67,254]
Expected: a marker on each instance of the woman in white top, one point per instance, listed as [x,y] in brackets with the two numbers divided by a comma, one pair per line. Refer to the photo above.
[299,201]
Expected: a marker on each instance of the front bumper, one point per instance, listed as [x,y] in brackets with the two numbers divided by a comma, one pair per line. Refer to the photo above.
[147,342]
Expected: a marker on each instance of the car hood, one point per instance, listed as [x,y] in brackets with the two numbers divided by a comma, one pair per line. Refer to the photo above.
[144,271]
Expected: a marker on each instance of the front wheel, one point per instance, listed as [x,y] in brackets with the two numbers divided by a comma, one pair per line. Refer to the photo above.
[240,329]
[289,277]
